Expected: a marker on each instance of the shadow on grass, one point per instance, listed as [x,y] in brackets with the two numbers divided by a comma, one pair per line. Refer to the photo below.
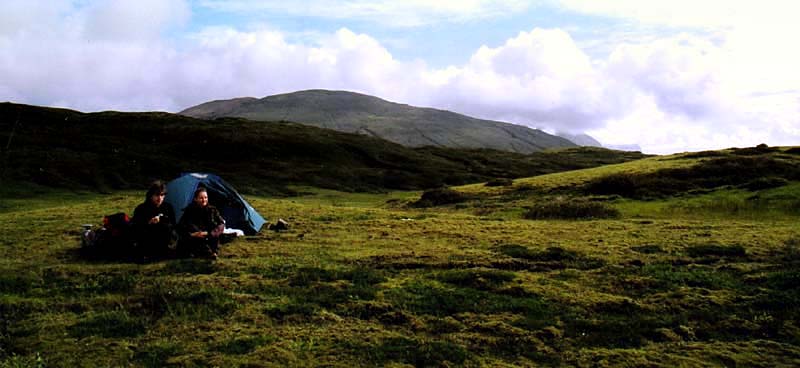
[113,324]
[308,290]
[190,266]
[185,301]
[244,345]
[423,297]
[551,258]
[155,355]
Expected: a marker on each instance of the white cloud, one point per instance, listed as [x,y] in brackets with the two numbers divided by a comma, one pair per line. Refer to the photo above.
[756,36]
[682,74]
[539,78]
[683,92]
[125,20]
[30,16]
[229,63]
[408,13]
[708,14]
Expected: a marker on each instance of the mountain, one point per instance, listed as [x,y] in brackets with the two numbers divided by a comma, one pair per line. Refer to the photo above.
[368,115]
[625,147]
[581,139]
[116,150]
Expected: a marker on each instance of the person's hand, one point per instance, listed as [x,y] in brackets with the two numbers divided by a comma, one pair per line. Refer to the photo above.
[155,220]
[199,234]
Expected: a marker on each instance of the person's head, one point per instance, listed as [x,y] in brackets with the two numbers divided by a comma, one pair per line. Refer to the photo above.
[157,192]
[201,197]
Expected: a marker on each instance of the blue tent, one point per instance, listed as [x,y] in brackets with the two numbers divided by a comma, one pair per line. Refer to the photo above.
[237,212]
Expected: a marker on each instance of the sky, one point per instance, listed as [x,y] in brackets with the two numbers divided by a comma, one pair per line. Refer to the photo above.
[668,76]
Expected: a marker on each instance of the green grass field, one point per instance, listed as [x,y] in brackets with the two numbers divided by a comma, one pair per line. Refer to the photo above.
[706,277]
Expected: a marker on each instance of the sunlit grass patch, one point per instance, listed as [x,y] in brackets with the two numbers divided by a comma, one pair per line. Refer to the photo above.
[671,276]
[716,250]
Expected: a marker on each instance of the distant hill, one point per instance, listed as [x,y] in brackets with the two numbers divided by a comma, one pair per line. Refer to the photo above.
[116,150]
[625,147]
[582,139]
[407,125]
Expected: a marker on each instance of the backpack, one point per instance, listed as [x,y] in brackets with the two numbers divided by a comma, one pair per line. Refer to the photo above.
[113,240]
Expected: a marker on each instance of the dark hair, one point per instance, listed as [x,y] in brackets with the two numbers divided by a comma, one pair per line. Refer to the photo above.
[156,187]
[198,191]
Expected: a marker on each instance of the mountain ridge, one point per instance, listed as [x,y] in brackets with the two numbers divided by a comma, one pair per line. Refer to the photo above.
[407,125]
[55,147]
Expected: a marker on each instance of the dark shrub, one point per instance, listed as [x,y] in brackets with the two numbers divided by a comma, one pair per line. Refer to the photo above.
[440,196]
[517,251]
[793,151]
[500,182]
[622,184]
[552,257]
[752,151]
[765,183]
[572,209]
[648,249]
[712,173]
[701,154]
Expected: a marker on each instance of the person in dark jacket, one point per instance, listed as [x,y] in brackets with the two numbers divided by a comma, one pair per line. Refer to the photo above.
[200,227]
[153,223]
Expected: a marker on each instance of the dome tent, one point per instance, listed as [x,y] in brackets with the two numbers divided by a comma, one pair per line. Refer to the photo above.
[238,214]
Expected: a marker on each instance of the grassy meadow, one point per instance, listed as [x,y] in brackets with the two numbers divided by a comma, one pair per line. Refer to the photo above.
[645,263]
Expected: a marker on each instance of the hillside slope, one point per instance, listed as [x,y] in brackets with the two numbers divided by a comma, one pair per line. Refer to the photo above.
[407,125]
[114,150]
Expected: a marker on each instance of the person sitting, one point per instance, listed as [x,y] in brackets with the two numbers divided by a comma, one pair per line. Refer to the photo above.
[153,223]
[200,227]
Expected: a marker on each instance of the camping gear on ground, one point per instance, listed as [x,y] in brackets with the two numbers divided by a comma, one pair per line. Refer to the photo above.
[88,236]
[281,225]
[238,214]
[113,240]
